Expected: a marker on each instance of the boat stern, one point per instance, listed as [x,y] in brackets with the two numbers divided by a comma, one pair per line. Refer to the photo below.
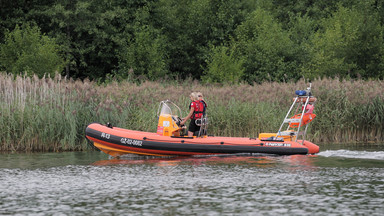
[312,148]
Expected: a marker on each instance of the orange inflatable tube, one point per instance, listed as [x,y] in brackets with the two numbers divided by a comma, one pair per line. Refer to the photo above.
[308,117]
[119,141]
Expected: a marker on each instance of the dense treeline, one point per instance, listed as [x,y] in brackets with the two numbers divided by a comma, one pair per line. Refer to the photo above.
[212,40]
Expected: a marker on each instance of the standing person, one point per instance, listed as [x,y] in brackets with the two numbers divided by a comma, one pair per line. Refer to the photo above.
[195,112]
[201,99]
[204,119]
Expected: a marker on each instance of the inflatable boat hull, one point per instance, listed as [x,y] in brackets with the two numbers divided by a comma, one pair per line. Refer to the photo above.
[118,141]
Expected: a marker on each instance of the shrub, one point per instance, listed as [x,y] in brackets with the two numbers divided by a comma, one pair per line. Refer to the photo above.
[26,50]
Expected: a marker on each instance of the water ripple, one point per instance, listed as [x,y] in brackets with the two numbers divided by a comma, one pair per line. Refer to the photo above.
[203,186]
[377,155]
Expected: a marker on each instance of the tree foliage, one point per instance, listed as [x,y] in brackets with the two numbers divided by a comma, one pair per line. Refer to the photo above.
[267,48]
[349,45]
[263,40]
[145,54]
[223,66]
[26,50]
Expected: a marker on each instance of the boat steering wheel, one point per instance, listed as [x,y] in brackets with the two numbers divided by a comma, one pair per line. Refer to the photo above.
[177,119]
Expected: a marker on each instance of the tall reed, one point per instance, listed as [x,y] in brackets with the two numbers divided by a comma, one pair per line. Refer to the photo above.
[50,114]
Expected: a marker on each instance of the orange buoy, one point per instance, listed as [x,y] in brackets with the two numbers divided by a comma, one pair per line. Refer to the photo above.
[308,117]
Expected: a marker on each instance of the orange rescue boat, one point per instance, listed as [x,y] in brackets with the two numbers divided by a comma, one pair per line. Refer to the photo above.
[169,140]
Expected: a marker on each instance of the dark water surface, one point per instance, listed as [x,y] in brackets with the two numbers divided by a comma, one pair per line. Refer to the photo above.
[340,180]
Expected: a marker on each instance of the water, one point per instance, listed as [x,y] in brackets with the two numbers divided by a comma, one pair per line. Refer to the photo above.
[340,180]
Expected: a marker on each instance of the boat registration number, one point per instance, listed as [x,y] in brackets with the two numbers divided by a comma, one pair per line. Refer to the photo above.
[278,144]
[128,141]
[105,135]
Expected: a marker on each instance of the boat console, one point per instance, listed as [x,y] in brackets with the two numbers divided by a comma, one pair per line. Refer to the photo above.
[169,119]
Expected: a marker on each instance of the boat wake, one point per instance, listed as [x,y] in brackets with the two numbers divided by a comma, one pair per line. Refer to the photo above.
[376,155]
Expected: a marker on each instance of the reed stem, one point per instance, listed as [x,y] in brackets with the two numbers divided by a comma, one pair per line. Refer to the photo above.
[50,114]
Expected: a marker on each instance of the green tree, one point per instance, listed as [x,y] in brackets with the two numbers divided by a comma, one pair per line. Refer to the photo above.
[301,28]
[192,27]
[223,66]
[267,47]
[92,33]
[279,40]
[145,54]
[16,12]
[349,44]
[316,10]
[27,50]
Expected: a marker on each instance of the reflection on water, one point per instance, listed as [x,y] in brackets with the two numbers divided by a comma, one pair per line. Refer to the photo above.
[301,161]
[42,160]
[90,183]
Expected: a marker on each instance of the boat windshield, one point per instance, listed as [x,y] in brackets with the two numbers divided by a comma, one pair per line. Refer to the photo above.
[168,107]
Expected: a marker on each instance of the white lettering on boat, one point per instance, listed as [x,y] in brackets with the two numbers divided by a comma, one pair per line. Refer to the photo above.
[105,135]
[278,144]
[131,142]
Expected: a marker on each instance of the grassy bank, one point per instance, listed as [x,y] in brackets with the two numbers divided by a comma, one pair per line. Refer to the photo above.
[51,114]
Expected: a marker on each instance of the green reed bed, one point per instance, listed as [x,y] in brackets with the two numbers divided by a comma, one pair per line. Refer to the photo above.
[51,114]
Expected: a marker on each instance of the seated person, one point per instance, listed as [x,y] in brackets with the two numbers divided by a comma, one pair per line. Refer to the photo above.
[309,108]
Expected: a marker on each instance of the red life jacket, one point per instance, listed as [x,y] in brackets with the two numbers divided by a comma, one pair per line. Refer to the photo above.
[198,109]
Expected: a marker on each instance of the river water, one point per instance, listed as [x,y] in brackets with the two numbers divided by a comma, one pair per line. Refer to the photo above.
[340,180]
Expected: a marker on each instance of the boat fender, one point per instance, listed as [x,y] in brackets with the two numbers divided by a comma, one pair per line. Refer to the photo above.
[308,117]
[144,138]
[221,143]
